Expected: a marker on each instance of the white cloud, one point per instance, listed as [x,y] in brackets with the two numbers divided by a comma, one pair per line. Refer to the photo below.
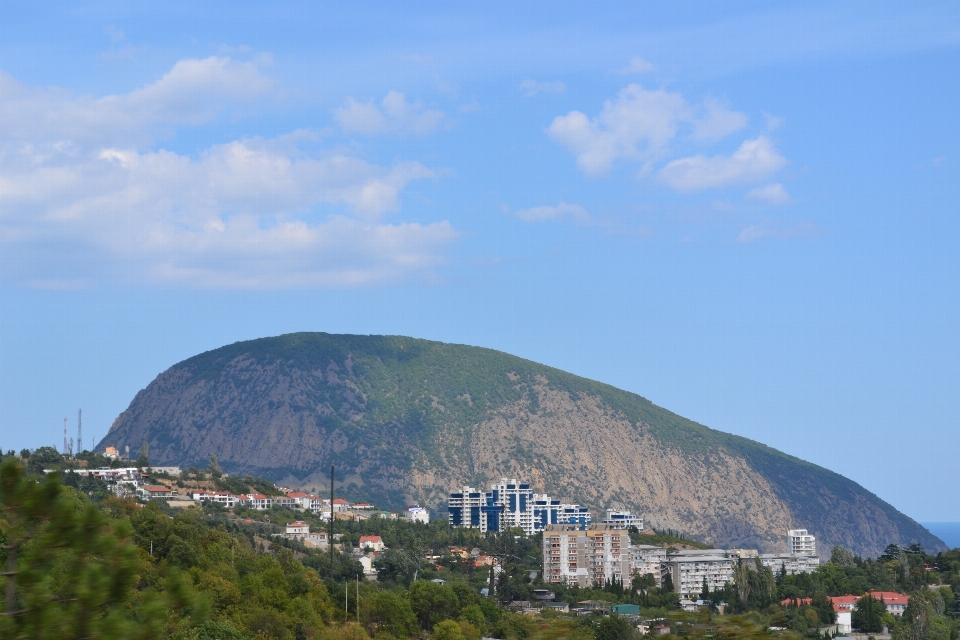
[530,88]
[562,210]
[246,213]
[754,160]
[771,194]
[717,122]
[636,65]
[193,92]
[779,231]
[773,122]
[393,115]
[635,126]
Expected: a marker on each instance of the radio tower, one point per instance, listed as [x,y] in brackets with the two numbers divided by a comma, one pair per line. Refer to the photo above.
[79,431]
[64,435]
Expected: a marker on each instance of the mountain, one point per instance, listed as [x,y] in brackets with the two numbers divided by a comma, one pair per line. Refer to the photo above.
[407,420]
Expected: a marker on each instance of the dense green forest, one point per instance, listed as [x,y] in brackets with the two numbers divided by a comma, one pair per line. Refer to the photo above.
[81,563]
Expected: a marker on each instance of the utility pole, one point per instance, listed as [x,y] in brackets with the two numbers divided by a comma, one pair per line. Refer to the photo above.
[330,541]
[79,431]
[64,435]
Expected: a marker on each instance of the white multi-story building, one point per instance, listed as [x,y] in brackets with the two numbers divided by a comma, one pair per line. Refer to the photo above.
[623,519]
[509,504]
[585,557]
[416,513]
[463,509]
[647,559]
[790,563]
[547,511]
[801,543]
[515,500]
[688,569]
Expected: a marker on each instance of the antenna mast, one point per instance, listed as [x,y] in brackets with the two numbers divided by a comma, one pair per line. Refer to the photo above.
[79,431]
[64,435]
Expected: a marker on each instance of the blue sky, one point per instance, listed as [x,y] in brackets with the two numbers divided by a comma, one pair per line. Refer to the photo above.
[745,212]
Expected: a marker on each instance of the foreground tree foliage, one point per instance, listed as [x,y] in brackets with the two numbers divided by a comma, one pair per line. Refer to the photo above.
[70,571]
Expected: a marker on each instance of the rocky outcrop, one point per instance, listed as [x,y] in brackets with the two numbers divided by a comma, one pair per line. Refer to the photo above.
[406,420]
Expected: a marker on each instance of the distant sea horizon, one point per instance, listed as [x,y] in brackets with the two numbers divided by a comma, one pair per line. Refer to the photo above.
[949,532]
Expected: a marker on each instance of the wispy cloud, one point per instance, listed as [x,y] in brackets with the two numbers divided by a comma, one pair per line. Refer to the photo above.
[771,230]
[394,114]
[193,92]
[558,212]
[717,122]
[530,88]
[771,194]
[636,65]
[754,160]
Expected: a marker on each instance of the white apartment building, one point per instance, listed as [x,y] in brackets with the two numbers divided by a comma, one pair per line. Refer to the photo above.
[508,504]
[547,511]
[515,500]
[688,569]
[416,513]
[792,564]
[463,509]
[623,519]
[801,543]
[647,559]
[598,554]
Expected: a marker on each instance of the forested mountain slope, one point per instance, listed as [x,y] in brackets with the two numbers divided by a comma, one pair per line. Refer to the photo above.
[406,420]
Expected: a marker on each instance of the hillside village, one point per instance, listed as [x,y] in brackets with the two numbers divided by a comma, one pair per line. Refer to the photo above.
[576,553]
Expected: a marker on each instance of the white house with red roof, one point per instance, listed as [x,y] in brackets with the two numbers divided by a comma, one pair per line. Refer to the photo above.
[371,542]
[157,492]
[306,501]
[895,602]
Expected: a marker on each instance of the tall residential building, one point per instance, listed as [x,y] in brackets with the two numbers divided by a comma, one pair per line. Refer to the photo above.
[688,569]
[512,502]
[585,557]
[546,511]
[647,559]
[801,543]
[463,509]
[623,519]
[509,504]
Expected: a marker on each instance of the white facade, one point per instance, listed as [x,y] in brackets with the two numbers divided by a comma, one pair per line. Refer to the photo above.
[623,519]
[417,513]
[464,508]
[516,500]
[801,543]
[792,564]
[844,620]
[372,542]
[688,569]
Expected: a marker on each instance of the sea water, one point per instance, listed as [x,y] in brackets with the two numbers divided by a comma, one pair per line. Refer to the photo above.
[949,532]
